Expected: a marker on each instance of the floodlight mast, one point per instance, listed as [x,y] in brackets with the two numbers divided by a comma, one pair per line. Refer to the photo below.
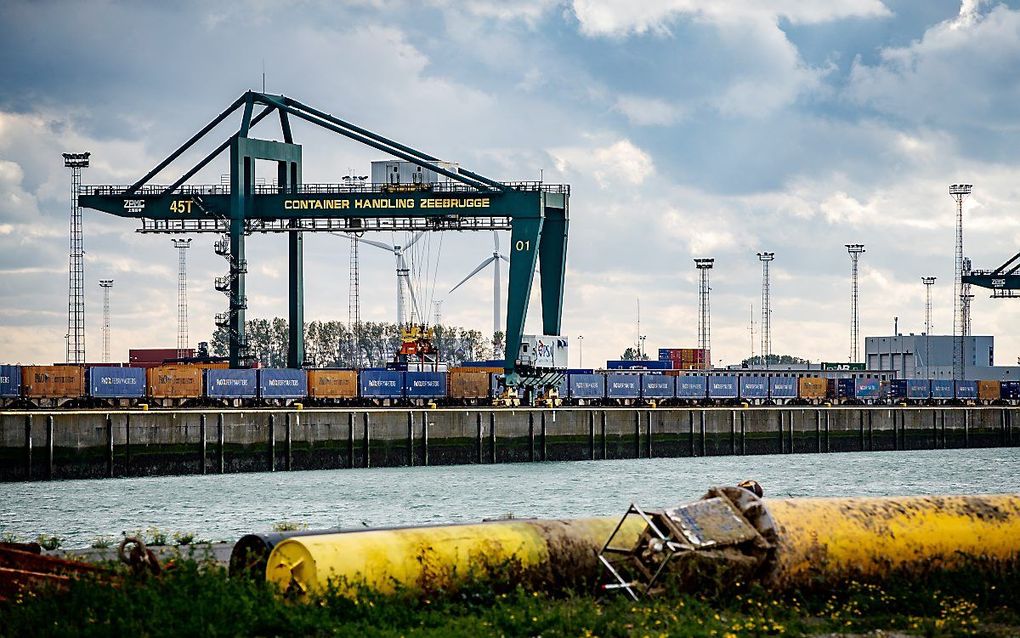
[855,251]
[766,308]
[75,344]
[704,266]
[959,192]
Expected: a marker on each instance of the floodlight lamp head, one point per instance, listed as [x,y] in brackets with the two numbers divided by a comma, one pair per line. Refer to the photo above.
[855,248]
[928,281]
[76,160]
[960,189]
[105,283]
[704,263]
[181,243]
[766,256]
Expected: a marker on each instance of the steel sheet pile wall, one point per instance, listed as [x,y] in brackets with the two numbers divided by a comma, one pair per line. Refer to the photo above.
[134,443]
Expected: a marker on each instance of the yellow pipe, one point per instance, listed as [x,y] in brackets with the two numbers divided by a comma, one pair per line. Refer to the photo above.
[829,538]
[548,553]
[836,538]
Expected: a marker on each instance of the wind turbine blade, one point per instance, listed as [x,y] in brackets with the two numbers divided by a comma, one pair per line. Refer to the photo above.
[378,244]
[495,241]
[417,236]
[504,258]
[473,273]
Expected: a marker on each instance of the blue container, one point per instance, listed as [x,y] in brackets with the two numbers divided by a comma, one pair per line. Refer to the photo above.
[840,389]
[425,385]
[918,389]
[488,363]
[106,382]
[638,365]
[276,383]
[231,384]
[897,389]
[783,388]
[754,388]
[944,389]
[10,381]
[381,384]
[586,386]
[722,387]
[967,390]
[691,387]
[867,389]
[1010,391]
[658,386]
[623,386]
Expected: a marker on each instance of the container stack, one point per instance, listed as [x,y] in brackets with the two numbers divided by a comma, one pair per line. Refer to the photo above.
[685,358]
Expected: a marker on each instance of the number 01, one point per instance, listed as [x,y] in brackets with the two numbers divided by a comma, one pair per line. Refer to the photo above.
[522,245]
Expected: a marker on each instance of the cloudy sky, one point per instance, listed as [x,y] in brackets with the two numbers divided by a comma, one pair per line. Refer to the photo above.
[686,128]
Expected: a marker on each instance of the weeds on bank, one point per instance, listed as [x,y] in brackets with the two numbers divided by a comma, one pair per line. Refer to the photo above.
[197,598]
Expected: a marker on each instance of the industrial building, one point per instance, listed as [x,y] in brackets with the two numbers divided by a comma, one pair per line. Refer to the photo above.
[920,356]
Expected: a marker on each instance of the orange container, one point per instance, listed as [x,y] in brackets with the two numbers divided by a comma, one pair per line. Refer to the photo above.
[989,390]
[175,381]
[469,383]
[333,384]
[811,388]
[53,382]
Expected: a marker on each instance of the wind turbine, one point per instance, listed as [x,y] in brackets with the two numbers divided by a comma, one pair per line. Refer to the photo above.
[494,260]
[403,275]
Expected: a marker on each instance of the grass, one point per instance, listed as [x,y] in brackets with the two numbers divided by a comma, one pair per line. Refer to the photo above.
[199,599]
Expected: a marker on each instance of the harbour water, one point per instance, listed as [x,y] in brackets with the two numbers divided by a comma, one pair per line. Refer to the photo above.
[223,507]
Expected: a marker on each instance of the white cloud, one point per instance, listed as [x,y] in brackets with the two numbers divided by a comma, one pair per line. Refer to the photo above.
[648,111]
[960,72]
[623,17]
[616,163]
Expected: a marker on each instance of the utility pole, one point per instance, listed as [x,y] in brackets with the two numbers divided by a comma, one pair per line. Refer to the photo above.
[928,283]
[182,246]
[580,351]
[704,310]
[75,346]
[750,329]
[855,251]
[766,308]
[106,285]
[958,192]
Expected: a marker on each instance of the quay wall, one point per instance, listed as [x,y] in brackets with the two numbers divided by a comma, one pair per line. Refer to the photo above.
[37,445]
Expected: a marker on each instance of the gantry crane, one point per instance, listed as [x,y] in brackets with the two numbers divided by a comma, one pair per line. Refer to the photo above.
[535,213]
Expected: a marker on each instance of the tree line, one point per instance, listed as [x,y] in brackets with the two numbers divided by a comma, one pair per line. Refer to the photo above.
[332,344]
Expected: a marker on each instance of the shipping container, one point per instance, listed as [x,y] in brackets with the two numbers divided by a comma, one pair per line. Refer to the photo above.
[754,388]
[333,384]
[918,389]
[283,383]
[627,364]
[116,383]
[988,390]
[231,384]
[691,387]
[623,386]
[841,389]
[53,382]
[381,384]
[867,389]
[586,387]
[724,387]
[488,363]
[10,381]
[812,388]
[967,390]
[156,355]
[783,388]
[943,389]
[1009,391]
[657,386]
[425,385]
[469,383]
[175,382]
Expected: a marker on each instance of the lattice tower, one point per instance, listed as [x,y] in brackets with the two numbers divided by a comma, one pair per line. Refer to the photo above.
[182,246]
[106,285]
[704,310]
[958,192]
[855,251]
[75,346]
[766,307]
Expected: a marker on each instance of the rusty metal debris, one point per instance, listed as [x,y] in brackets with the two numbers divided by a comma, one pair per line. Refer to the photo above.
[133,553]
[728,529]
[23,568]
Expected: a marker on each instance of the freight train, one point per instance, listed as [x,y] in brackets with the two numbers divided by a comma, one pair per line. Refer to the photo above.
[192,385]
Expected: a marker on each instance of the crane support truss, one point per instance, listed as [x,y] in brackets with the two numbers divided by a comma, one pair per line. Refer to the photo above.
[1004,281]
[536,214]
